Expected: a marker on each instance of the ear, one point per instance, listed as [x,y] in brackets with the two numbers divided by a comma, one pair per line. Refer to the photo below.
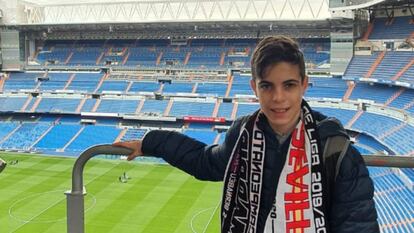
[253,86]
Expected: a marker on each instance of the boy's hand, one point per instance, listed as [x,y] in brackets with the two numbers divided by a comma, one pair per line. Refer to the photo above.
[135,146]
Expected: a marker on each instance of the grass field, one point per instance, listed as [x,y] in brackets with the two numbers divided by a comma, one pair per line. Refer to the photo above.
[157,198]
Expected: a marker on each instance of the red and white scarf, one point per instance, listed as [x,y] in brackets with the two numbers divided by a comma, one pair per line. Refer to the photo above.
[299,205]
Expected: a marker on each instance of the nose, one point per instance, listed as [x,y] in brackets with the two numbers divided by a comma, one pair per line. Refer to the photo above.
[277,95]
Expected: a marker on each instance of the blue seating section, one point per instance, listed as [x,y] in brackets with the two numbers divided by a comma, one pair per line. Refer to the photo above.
[116,53]
[408,75]
[391,64]
[343,115]
[19,81]
[55,56]
[359,65]
[180,109]
[85,82]
[57,105]
[225,110]
[202,135]
[142,56]
[65,130]
[399,29]
[375,124]
[93,135]
[11,103]
[237,61]
[401,140]
[154,106]
[118,106]
[144,87]
[202,53]
[378,93]
[371,143]
[30,105]
[405,98]
[206,57]
[393,200]
[241,86]
[85,56]
[245,109]
[214,89]
[6,128]
[175,56]
[240,89]
[133,134]
[88,105]
[24,136]
[57,137]
[326,88]
[178,88]
[409,172]
[113,86]
[57,81]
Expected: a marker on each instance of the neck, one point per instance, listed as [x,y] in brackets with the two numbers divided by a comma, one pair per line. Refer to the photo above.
[283,133]
[289,128]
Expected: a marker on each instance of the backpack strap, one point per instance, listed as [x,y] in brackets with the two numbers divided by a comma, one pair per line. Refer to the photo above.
[333,153]
[335,148]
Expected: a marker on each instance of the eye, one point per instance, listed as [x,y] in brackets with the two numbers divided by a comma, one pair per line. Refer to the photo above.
[290,85]
[264,86]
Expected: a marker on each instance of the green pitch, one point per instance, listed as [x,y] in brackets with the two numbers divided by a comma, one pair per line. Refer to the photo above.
[156,198]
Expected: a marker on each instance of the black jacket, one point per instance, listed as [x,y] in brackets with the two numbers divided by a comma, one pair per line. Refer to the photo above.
[352,206]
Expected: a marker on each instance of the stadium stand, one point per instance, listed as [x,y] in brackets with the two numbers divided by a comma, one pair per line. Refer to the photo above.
[400,28]
[89,135]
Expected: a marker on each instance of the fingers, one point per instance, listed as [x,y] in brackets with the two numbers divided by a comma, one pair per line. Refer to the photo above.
[129,145]
[131,156]
[135,146]
[117,144]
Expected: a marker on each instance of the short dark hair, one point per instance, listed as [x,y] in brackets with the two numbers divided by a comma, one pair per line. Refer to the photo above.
[273,50]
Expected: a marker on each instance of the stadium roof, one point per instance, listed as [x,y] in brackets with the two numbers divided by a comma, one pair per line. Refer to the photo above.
[148,11]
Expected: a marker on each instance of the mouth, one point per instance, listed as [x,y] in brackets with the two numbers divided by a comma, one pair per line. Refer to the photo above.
[279,110]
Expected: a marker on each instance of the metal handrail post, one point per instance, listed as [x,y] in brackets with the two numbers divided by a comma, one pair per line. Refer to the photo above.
[75,197]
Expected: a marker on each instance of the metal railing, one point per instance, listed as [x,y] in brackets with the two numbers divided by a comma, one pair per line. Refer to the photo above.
[75,197]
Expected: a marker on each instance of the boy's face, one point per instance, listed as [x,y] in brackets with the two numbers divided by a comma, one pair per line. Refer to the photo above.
[280,95]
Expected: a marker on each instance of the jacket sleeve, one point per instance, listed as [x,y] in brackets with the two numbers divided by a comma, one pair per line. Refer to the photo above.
[353,207]
[204,162]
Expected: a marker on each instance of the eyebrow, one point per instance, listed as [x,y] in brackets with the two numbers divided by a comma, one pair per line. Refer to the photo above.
[291,81]
[264,82]
[284,82]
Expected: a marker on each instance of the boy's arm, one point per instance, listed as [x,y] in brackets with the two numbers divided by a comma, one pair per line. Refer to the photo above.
[353,207]
[205,162]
